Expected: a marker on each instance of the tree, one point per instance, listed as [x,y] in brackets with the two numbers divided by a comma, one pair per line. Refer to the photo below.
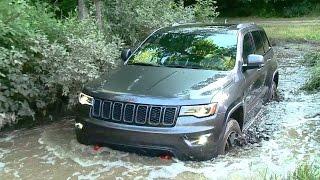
[99,7]
[82,10]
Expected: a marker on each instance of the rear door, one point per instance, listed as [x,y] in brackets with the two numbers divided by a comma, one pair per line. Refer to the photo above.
[269,60]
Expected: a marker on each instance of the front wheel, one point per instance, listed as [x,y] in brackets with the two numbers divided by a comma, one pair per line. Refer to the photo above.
[82,138]
[233,137]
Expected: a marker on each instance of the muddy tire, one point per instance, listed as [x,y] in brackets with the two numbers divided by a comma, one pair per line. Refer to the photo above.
[82,138]
[273,92]
[233,137]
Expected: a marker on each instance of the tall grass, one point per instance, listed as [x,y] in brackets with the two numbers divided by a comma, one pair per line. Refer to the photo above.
[305,172]
[302,172]
[313,60]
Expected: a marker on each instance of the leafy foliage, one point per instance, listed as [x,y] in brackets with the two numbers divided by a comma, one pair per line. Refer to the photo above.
[43,59]
[266,8]
[313,60]
[298,10]
[205,10]
[47,54]
[134,19]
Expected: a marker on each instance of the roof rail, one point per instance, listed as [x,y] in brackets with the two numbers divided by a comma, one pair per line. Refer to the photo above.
[184,23]
[243,25]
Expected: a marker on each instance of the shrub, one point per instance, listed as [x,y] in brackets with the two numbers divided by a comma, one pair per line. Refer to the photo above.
[44,60]
[132,20]
[313,60]
[205,10]
[298,9]
[86,54]
[39,66]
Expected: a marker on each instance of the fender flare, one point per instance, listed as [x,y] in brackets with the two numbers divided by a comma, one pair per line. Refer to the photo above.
[232,108]
[274,74]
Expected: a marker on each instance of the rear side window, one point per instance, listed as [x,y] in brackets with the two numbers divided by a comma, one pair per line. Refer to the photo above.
[248,47]
[258,42]
[266,44]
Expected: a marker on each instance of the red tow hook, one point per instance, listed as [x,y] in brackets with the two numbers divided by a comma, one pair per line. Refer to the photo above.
[96,147]
[165,157]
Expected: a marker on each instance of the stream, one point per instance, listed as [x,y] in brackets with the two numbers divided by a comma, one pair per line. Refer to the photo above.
[284,135]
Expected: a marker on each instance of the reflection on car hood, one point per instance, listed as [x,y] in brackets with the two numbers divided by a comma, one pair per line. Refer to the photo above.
[160,82]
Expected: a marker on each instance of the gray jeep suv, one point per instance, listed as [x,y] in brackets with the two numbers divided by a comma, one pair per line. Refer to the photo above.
[188,90]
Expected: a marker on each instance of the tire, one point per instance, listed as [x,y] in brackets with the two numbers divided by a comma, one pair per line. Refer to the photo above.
[273,92]
[82,138]
[232,138]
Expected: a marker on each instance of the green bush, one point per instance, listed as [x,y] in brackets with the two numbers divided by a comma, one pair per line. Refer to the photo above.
[313,60]
[132,20]
[205,10]
[43,59]
[298,9]
[268,8]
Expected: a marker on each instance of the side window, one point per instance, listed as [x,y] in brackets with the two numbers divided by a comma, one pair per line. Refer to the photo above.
[266,44]
[248,47]
[258,42]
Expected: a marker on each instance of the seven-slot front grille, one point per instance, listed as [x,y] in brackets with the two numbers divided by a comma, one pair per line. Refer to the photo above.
[135,114]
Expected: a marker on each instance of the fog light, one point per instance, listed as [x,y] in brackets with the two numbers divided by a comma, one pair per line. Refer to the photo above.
[203,139]
[198,141]
[79,126]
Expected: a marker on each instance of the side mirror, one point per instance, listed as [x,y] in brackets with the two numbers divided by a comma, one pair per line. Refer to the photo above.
[125,54]
[254,62]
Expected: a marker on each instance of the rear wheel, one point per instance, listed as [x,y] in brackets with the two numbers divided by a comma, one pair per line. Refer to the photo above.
[273,92]
[233,137]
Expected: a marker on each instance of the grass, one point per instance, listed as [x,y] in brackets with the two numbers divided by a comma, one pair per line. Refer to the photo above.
[302,172]
[293,32]
[306,29]
[313,60]
[305,172]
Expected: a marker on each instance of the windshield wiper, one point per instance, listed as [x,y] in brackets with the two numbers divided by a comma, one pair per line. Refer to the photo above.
[175,66]
[143,64]
[181,66]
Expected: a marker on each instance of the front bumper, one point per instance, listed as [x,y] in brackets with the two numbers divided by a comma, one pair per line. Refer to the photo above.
[175,140]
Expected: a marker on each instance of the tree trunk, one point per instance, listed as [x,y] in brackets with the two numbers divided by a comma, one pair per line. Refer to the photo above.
[99,6]
[82,10]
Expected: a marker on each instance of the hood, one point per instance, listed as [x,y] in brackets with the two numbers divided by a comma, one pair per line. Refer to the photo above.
[132,81]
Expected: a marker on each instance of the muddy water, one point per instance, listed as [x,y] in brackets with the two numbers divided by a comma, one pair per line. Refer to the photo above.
[285,134]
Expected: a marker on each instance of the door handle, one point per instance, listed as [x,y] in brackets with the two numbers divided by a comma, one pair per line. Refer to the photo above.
[261,66]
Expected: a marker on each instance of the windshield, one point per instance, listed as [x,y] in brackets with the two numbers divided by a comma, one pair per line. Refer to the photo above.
[213,49]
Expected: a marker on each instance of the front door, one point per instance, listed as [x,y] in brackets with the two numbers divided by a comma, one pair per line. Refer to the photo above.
[254,78]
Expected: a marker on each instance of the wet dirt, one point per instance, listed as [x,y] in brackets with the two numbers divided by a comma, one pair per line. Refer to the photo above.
[283,135]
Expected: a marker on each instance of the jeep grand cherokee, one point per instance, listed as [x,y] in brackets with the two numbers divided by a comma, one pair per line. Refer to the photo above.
[189,90]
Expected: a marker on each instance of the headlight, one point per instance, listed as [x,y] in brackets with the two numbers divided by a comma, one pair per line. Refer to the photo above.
[199,110]
[85,99]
